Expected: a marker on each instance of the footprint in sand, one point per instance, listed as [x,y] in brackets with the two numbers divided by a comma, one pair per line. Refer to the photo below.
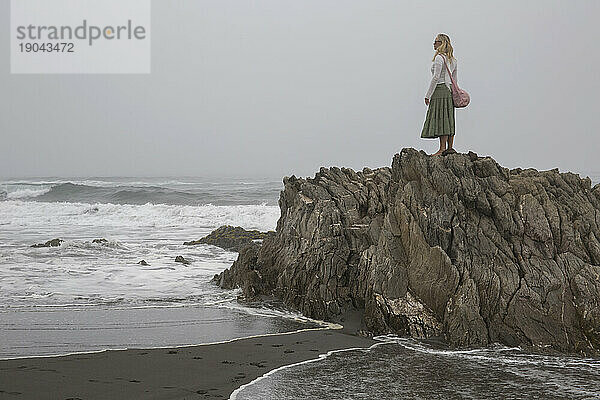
[257,364]
[239,376]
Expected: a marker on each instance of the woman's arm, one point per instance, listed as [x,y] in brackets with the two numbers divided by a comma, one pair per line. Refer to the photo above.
[454,76]
[438,64]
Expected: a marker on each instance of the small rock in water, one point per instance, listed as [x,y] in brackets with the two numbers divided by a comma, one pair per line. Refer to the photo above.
[182,260]
[144,263]
[232,238]
[49,243]
[100,241]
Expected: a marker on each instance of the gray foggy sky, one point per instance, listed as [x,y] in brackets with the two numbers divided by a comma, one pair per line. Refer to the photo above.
[274,88]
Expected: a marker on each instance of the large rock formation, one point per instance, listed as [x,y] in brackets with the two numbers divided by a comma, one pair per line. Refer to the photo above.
[453,246]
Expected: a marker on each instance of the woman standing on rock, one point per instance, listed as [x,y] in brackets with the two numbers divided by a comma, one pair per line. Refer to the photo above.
[439,121]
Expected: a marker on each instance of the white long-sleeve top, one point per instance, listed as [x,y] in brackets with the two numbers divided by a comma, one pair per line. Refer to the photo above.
[440,75]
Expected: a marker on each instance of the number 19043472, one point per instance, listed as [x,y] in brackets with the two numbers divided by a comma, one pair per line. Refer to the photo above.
[47,47]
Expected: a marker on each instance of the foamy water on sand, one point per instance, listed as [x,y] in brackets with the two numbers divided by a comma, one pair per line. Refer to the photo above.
[86,296]
[408,369]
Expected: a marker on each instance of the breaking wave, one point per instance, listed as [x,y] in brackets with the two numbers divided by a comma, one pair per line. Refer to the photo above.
[139,192]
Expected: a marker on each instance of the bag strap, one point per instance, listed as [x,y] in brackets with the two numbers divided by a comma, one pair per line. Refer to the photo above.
[449,73]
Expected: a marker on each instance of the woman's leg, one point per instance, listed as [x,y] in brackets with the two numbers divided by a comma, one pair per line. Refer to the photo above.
[450,141]
[443,141]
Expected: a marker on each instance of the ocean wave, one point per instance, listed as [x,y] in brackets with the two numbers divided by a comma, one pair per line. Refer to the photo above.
[27,193]
[72,192]
[23,192]
[169,192]
[133,181]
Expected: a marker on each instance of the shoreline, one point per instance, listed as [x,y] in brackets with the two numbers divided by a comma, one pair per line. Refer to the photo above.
[76,353]
[205,371]
[60,332]
[233,396]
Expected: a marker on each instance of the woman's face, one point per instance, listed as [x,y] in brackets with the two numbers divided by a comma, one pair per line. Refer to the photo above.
[436,43]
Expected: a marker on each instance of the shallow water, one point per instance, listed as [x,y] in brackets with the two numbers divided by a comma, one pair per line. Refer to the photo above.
[409,369]
[52,331]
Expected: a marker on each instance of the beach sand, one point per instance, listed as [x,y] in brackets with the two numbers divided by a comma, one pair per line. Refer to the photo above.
[211,371]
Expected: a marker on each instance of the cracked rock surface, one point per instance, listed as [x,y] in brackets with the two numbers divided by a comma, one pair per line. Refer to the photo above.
[455,247]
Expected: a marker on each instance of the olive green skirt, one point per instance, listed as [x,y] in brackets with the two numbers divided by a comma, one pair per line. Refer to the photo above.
[439,120]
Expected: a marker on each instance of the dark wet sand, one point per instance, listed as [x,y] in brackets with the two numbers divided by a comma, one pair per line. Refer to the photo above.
[196,372]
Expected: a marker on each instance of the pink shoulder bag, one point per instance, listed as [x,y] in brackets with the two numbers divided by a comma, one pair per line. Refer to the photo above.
[460,98]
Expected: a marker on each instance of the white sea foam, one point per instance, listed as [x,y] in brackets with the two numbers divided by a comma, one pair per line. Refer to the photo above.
[26,192]
[80,271]
[270,312]
[48,215]
[412,344]
[407,368]
[495,354]
[320,357]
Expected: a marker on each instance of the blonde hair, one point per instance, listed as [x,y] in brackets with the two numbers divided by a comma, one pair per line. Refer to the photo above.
[445,48]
